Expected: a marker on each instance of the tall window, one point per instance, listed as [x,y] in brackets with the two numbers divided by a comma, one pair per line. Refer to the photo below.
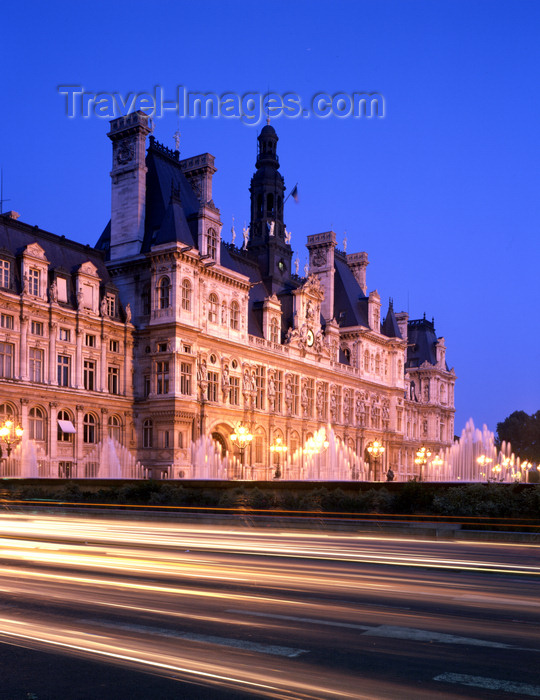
[366,361]
[212,242]
[186,295]
[148,433]
[162,377]
[234,391]
[64,334]
[295,390]
[6,360]
[36,422]
[213,307]
[185,378]
[35,365]
[260,383]
[114,427]
[274,330]
[113,380]
[63,435]
[164,291]
[235,316]
[213,386]
[64,370]
[278,381]
[89,375]
[90,340]
[5,273]
[34,277]
[90,428]
[114,346]
[310,388]
[111,305]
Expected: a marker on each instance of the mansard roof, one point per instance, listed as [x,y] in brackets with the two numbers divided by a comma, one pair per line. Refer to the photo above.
[61,252]
[350,302]
[422,342]
[390,327]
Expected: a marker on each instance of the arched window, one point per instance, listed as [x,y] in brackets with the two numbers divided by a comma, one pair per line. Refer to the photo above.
[270,203]
[366,361]
[164,293]
[90,428]
[211,243]
[6,412]
[36,423]
[148,433]
[235,316]
[114,426]
[186,295]
[347,355]
[63,418]
[274,331]
[213,307]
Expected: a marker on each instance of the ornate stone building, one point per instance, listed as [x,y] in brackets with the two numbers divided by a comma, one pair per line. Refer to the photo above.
[164,332]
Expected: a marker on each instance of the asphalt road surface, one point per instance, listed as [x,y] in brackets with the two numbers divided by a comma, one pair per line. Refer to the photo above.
[100,609]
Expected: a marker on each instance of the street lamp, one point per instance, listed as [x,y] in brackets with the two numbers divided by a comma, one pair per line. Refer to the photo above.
[375,451]
[278,447]
[422,457]
[241,438]
[9,436]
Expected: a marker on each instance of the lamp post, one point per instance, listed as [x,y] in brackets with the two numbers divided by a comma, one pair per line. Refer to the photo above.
[375,451]
[422,457]
[9,436]
[277,447]
[241,438]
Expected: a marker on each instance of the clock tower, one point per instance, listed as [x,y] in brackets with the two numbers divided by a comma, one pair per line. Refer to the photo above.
[267,237]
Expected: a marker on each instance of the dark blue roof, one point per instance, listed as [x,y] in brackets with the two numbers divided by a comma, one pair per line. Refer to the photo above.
[422,342]
[350,302]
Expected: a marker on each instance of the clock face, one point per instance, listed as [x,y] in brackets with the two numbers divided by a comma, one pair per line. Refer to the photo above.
[310,338]
[281,265]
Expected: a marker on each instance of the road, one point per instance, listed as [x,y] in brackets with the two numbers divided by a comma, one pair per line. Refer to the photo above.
[223,612]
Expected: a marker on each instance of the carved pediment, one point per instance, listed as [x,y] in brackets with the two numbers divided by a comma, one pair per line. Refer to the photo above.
[88,268]
[36,251]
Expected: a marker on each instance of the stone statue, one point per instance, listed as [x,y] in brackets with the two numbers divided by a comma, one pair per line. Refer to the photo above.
[233,232]
[306,270]
[296,266]
[288,236]
[54,291]
[102,306]
[202,372]
[25,283]
[128,313]
[272,227]
[245,234]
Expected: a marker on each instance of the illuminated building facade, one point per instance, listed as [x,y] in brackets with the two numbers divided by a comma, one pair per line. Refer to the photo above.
[164,332]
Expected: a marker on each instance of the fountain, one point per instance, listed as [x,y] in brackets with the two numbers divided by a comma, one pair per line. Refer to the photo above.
[207,461]
[111,460]
[475,458]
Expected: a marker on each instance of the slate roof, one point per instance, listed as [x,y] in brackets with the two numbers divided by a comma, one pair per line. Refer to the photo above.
[350,302]
[61,252]
[390,326]
[421,343]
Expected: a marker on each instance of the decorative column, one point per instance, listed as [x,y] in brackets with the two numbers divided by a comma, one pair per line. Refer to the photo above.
[53,376]
[78,359]
[103,364]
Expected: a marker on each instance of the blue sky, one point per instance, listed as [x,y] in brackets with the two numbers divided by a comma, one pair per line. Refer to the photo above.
[442,192]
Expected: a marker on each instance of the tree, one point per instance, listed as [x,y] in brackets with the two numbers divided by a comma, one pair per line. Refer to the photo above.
[523,433]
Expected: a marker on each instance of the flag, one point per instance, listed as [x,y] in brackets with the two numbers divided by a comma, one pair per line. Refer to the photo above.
[294,193]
